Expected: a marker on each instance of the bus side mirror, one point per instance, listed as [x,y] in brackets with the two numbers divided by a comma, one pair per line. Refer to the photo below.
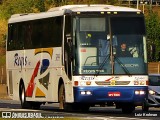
[70,44]
[69,40]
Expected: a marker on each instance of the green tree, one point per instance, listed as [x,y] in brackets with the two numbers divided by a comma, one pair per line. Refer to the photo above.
[40,5]
[153,32]
[10,7]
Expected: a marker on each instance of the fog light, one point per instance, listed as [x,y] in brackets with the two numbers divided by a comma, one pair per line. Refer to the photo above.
[137,92]
[83,92]
[142,92]
[88,93]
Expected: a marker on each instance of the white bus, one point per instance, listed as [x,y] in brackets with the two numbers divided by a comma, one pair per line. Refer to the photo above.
[70,55]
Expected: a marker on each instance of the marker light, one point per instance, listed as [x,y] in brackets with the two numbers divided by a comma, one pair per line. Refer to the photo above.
[102,12]
[138,12]
[140,82]
[88,83]
[76,83]
[136,82]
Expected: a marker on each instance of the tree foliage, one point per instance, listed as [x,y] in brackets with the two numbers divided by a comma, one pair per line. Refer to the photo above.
[153,33]
[10,7]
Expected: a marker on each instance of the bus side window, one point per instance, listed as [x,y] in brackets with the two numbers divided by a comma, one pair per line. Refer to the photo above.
[37,34]
[12,36]
[58,31]
[21,36]
[28,36]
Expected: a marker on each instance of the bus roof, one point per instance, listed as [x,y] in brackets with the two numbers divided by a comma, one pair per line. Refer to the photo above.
[95,8]
[59,11]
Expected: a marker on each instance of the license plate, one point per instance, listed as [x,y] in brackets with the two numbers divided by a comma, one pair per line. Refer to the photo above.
[114,94]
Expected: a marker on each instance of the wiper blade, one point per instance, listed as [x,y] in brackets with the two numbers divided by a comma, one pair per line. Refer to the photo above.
[123,67]
[102,64]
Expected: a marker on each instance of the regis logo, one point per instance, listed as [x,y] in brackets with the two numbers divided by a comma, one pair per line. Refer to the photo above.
[86,78]
[20,61]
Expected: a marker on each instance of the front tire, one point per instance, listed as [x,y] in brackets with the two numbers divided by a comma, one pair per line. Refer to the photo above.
[62,104]
[128,108]
[145,108]
[61,96]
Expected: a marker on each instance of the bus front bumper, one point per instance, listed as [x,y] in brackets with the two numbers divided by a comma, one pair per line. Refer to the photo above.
[135,94]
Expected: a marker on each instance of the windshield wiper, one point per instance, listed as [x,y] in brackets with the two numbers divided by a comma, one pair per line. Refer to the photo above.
[102,64]
[123,67]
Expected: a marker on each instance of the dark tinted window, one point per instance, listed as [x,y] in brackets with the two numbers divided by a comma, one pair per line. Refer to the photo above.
[128,25]
[35,34]
[47,32]
[12,36]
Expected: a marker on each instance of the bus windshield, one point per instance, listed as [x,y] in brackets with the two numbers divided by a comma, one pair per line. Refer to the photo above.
[98,42]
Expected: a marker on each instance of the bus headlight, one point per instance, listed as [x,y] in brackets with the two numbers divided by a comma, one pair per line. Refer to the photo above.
[86,93]
[139,92]
[142,92]
[83,92]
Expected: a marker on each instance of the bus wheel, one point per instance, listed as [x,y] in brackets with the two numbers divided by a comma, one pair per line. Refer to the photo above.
[128,108]
[62,104]
[61,97]
[145,107]
[35,105]
[24,103]
[84,108]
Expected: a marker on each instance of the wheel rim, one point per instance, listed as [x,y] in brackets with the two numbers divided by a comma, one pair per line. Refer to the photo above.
[22,95]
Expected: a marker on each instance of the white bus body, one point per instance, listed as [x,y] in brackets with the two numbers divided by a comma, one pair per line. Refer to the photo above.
[41,70]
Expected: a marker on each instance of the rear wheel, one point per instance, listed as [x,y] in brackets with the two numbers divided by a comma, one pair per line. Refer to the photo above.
[24,103]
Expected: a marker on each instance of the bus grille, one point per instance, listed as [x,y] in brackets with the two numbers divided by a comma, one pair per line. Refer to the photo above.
[109,83]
